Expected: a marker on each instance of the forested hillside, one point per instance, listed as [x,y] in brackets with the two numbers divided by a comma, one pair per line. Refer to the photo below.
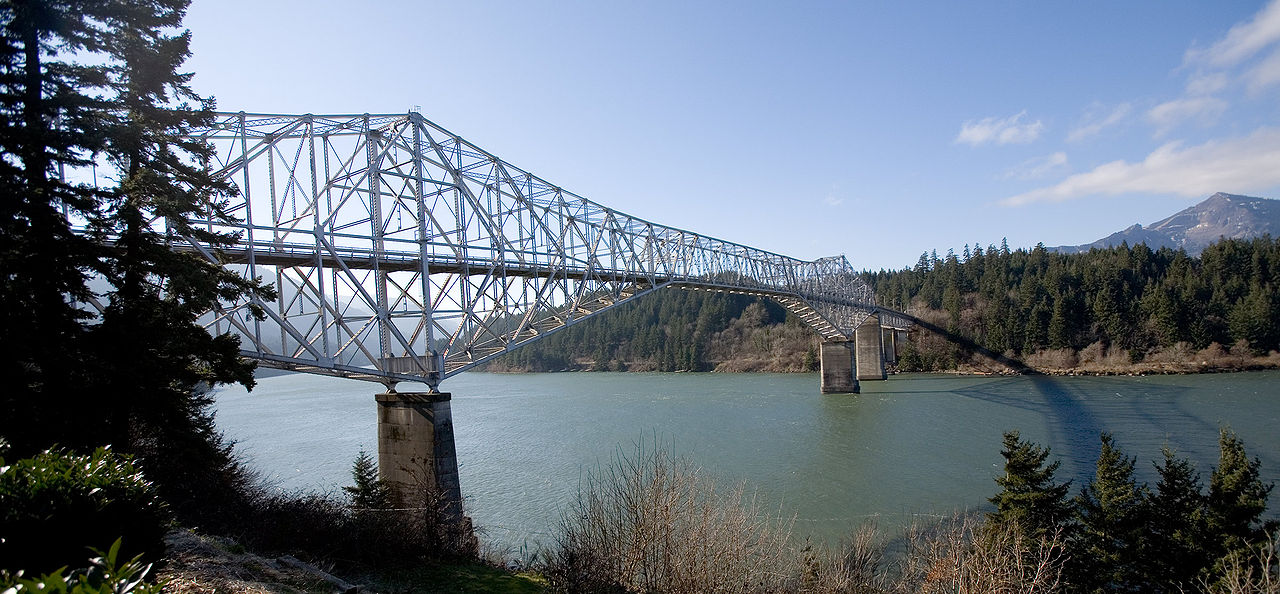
[1106,308]
[676,330]
[1127,302]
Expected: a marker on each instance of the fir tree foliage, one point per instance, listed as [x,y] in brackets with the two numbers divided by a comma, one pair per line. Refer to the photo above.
[155,353]
[1030,496]
[369,491]
[92,90]
[1175,531]
[1237,499]
[1121,536]
[51,112]
[1111,512]
[95,84]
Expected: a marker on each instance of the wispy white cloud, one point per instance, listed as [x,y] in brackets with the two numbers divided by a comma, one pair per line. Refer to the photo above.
[1245,164]
[1170,114]
[1224,64]
[1207,83]
[1242,41]
[1097,118]
[1038,167]
[1010,130]
[1265,74]
[832,200]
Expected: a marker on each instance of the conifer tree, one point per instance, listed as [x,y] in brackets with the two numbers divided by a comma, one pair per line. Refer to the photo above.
[49,110]
[1237,499]
[1111,513]
[1175,552]
[136,377]
[368,492]
[1030,498]
[155,353]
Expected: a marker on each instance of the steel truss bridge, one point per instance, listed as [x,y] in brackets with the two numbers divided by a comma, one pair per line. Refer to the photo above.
[403,253]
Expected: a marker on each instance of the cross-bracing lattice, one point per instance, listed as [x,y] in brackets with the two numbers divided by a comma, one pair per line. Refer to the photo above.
[401,252]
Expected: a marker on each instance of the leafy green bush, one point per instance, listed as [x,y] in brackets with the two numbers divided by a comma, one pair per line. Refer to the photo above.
[105,575]
[57,506]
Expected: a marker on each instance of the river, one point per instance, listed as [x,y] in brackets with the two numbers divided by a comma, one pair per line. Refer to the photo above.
[914,444]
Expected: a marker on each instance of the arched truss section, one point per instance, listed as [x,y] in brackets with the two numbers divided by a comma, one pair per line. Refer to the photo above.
[401,252]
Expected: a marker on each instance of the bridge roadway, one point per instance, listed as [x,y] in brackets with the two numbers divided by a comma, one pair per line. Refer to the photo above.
[294,255]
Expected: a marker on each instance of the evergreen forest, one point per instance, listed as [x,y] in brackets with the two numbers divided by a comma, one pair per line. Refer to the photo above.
[676,330]
[1122,306]
[1128,302]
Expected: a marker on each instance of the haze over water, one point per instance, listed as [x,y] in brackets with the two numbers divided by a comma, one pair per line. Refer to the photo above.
[914,444]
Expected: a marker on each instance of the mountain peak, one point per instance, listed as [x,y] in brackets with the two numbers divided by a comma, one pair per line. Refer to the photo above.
[1221,215]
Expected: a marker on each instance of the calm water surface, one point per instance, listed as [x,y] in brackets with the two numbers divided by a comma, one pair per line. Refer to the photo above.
[915,444]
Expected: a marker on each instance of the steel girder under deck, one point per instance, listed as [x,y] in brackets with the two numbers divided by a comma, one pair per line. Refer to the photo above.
[401,252]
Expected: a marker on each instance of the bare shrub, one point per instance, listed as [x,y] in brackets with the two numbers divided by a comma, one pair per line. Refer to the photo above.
[1214,356]
[1118,358]
[1241,351]
[857,567]
[1180,352]
[653,523]
[1256,573]
[963,555]
[1093,353]
[1054,359]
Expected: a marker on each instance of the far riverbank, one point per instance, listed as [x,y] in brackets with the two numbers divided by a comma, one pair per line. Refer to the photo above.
[1094,360]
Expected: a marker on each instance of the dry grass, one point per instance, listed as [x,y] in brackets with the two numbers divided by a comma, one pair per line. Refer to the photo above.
[654,523]
[211,565]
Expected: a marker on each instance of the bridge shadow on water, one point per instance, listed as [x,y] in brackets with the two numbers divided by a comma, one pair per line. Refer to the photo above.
[1076,410]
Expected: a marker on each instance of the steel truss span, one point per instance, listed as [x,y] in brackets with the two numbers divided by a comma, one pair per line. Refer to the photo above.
[401,252]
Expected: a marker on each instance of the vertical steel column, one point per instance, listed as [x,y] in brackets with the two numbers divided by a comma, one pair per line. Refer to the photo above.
[318,229]
[248,221]
[431,367]
[276,209]
[373,162]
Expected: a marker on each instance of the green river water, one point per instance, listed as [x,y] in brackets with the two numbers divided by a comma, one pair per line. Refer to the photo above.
[916,444]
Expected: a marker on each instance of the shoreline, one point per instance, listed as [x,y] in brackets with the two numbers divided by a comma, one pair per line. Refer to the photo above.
[1269,363]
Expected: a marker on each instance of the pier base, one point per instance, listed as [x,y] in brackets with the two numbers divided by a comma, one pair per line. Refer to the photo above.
[889,338]
[836,360]
[870,355]
[416,454]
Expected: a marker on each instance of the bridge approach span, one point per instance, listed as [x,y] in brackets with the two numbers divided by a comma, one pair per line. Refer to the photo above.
[401,252]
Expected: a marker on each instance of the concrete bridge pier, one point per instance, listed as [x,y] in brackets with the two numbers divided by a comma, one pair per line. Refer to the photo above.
[836,361]
[889,338]
[870,355]
[416,454]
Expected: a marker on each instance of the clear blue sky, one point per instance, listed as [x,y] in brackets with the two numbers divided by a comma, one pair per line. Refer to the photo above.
[877,130]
